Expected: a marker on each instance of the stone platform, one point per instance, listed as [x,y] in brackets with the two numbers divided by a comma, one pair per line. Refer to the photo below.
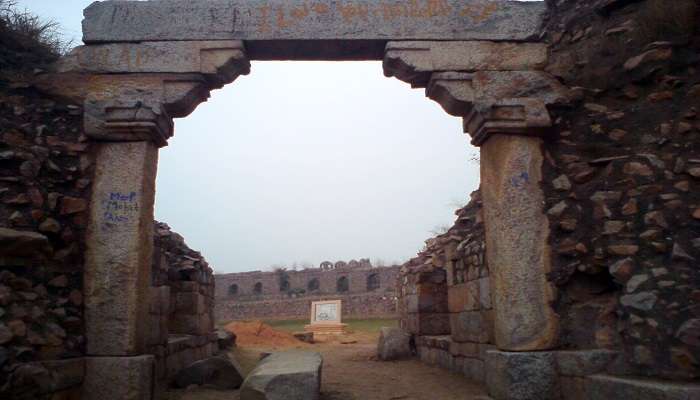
[326,329]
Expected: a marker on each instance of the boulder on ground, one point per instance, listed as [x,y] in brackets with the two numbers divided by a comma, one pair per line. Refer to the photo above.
[216,371]
[290,375]
[394,344]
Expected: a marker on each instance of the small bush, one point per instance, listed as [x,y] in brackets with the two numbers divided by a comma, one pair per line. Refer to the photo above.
[668,20]
[27,41]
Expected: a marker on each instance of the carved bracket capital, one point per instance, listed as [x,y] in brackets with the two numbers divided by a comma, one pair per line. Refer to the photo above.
[513,102]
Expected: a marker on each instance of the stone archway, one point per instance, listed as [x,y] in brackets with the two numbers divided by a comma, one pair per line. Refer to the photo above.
[145,63]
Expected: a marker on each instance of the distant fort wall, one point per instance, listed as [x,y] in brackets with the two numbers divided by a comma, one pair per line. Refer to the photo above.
[366,291]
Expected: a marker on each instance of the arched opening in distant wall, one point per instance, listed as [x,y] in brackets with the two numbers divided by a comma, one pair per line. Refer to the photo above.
[342,285]
[233,290]
[313,285]
[258,288]
[373,282]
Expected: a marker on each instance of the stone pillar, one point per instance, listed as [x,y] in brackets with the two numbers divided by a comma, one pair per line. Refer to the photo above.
[120,248]
[118,271]
[518,252]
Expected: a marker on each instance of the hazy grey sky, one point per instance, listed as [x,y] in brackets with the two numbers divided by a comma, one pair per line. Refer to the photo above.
[306,162]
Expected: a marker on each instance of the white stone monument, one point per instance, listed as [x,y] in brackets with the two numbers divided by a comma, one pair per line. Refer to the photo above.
[326,318]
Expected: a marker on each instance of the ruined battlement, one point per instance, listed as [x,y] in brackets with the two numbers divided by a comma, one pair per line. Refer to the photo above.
[286,293]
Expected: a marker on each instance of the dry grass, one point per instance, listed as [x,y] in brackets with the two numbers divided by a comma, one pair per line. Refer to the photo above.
[27,41]
[668,20]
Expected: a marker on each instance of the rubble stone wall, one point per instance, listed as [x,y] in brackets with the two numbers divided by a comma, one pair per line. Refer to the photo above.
[45,178]
[622,181]
[621,176]
[182,304]
[370,291]
[445,296]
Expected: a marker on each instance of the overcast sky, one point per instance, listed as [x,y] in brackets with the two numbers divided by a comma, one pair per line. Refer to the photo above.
[305,162]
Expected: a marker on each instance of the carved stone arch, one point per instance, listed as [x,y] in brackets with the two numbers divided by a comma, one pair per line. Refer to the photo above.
[326,265]
[353,264]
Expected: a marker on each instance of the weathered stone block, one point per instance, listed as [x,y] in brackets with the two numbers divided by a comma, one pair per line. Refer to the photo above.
[207,57]
[118,378]
[474,369]
[394,344]
[522,376]
[433,324]
[160,300]
[188,324]
[463,297]
[469,326]
[415,61]
[467,349]
[572,388]
[119,249]
[604,387]
[485,293]
[585,362]
[190,303]
[291,375]
[16,243]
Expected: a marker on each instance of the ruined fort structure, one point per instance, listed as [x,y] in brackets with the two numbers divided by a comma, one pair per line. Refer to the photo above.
[366,291]
[573,274]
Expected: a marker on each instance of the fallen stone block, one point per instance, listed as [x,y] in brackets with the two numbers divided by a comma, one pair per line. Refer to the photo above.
[291,375]
[394,344]
[215,371]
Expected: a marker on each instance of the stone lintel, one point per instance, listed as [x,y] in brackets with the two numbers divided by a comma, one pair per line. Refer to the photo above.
[119,249]
[327,28]
[414,62]
[220,61]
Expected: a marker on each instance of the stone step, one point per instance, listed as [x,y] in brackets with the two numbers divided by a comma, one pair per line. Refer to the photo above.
[606,387]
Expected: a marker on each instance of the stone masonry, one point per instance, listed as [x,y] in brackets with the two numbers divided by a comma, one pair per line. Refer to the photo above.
[285,294]
[571,274]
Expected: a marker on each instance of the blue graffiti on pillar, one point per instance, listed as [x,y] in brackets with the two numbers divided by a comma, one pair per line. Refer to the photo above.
[119,207]
[520,181]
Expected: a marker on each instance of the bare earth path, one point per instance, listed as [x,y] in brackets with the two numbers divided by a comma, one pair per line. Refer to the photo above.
[350,372]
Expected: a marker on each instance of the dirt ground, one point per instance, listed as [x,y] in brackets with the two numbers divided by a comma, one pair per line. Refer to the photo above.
[351,372]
